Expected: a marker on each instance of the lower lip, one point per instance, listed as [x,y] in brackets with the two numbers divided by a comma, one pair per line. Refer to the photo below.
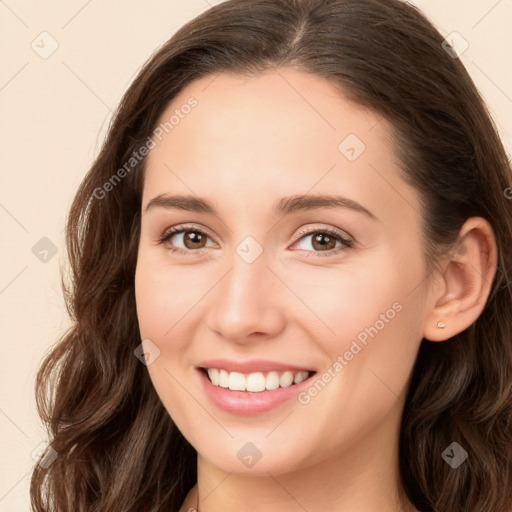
[246,402]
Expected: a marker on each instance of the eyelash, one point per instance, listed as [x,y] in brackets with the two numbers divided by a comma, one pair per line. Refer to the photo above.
[347,243]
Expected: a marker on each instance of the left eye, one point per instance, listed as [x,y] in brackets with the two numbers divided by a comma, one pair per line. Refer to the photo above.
[326,238]
[194,239]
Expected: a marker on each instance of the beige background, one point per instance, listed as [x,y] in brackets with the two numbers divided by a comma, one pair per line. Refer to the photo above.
[55,111]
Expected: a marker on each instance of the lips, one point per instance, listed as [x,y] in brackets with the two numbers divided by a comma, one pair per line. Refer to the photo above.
[242,403]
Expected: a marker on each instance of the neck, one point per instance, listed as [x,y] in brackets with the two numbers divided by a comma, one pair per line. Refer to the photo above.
[362,478]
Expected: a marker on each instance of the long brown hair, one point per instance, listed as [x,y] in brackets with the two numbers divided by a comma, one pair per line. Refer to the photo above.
[118,449]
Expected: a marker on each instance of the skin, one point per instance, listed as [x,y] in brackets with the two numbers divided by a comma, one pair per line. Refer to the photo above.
[248,142]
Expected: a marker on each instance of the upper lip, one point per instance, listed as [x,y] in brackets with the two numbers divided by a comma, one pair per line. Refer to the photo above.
[254,365]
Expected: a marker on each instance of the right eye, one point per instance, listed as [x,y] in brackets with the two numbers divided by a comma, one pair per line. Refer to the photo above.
[190,236]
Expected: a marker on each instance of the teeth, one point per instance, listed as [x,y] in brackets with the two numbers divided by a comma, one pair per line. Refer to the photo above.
[299,377]
[236,381]
[223,378]
[271,381]
[286,379]
[214,375]
[255,382]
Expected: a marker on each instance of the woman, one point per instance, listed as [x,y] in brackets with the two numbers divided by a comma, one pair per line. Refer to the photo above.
[291,286]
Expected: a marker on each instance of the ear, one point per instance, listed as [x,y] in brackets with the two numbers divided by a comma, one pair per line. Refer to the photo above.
[460,293]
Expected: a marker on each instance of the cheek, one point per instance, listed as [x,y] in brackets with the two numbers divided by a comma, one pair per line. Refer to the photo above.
[348,299]
[372,318]
[168,307]
[163,295]
[378,331]
[161,303]
[150,296]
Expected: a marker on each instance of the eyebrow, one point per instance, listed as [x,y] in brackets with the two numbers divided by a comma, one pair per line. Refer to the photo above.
[283,206]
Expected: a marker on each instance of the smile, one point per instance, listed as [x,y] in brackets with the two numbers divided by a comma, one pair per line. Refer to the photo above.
[255,382]
[245,391]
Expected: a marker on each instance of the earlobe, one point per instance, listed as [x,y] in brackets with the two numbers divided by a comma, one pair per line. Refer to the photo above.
[466,281]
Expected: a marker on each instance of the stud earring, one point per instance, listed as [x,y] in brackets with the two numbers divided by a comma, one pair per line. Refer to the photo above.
[441,324]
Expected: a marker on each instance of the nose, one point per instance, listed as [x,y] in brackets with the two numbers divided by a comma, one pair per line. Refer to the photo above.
[248,302]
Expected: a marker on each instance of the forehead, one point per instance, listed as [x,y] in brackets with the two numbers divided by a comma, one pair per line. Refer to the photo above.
[278,133]
[263,117]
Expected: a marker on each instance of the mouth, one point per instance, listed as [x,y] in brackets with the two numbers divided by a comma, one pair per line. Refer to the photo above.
[255,382]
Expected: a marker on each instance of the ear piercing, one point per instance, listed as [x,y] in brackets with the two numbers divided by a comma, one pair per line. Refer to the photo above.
[441,324]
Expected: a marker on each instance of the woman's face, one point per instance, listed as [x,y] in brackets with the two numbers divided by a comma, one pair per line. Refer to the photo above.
[259,280]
